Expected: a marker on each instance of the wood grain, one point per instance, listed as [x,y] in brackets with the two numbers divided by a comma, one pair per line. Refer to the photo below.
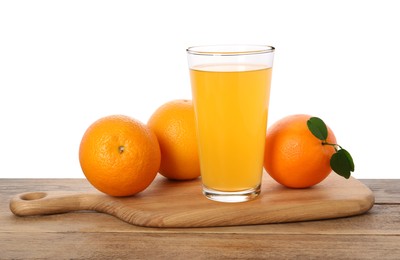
[181,204]
[89,235]
[198,246]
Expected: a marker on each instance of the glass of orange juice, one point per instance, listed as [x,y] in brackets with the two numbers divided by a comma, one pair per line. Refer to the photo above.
[230,89]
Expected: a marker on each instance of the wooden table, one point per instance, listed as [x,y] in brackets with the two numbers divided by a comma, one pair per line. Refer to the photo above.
[91,235]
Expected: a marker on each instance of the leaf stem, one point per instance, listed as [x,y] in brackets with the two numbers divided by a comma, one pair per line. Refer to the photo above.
[334,145]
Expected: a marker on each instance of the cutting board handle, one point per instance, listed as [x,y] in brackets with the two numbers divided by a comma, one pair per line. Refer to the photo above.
[43,203]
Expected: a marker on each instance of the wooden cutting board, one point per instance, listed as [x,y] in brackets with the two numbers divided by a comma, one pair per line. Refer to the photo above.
[181,204]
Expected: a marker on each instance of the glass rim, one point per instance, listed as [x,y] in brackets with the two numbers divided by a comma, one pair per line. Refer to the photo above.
[229,49]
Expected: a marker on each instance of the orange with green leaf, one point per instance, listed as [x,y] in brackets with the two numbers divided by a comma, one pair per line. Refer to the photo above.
[301,151]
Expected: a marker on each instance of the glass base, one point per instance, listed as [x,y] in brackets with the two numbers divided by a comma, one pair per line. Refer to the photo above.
[231,196]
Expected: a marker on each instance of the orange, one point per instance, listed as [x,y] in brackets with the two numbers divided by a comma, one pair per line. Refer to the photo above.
[174,125]
[119,155]
[294,157]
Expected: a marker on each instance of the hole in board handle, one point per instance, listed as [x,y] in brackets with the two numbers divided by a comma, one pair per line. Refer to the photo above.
[33,196]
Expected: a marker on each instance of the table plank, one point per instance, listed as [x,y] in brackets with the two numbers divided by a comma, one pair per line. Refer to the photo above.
[113,245]
[386,191]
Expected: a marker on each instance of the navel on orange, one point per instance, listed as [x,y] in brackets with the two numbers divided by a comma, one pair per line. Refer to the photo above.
[294,157]
[174,125]
[119,155]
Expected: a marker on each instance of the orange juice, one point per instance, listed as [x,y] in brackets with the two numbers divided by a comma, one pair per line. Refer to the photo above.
[231,105]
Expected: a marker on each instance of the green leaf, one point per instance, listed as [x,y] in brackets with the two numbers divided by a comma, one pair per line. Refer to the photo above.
[317,128]
[342,163]
[349,158]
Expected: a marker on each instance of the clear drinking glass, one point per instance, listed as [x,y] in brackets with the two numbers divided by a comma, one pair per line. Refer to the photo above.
[230,89]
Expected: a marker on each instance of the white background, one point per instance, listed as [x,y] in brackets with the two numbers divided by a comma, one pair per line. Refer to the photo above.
[65,64]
